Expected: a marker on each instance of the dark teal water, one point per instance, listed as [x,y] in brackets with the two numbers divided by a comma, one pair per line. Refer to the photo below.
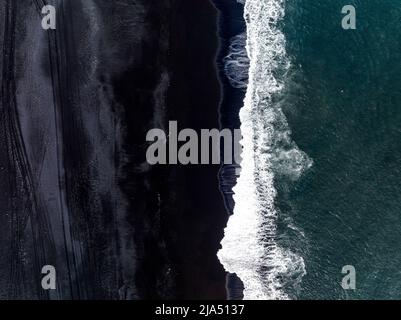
[344,110]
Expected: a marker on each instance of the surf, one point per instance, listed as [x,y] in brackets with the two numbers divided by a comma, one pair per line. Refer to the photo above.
[250,248]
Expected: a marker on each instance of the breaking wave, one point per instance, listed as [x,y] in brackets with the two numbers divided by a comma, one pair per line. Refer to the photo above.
[250,247]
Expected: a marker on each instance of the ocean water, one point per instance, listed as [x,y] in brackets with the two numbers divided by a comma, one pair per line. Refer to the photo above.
[319,186]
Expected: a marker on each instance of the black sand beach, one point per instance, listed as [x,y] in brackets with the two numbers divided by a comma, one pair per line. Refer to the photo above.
[76,189]
[191,211]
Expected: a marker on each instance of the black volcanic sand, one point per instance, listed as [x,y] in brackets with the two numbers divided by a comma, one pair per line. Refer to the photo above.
[193,99]
[76,190]
[177,211]
[231,23]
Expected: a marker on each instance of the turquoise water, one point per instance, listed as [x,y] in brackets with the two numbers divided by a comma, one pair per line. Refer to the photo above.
[343,106]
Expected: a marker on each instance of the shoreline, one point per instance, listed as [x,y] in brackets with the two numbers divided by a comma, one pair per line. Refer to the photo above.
[176,214]
[121,229]
[194,233]
[230,24]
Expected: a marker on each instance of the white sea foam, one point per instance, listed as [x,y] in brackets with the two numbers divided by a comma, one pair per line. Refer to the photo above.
[250,248]
[236,63]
